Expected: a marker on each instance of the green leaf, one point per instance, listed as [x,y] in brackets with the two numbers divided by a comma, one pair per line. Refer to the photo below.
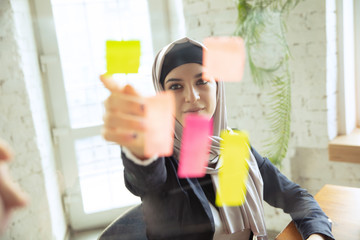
[254,18]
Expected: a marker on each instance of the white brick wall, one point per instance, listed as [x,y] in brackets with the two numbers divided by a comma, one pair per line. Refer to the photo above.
[313,70]
[24,124]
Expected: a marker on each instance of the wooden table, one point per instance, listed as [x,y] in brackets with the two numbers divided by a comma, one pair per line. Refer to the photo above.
[342,206]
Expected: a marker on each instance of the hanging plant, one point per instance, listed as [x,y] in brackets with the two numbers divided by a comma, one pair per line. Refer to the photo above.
[261,24]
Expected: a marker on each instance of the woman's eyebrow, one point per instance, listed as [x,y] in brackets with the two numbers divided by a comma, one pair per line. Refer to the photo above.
[173,80]
[198,75]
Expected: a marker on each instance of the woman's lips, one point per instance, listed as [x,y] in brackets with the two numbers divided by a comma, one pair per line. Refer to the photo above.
[194,110]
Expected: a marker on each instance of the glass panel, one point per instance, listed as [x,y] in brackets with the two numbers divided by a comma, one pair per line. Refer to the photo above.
[82,27]
[101,175]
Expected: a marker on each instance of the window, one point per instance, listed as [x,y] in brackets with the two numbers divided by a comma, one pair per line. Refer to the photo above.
[346,146]
[72,35]
[357,56]
[346,66]
[82,27]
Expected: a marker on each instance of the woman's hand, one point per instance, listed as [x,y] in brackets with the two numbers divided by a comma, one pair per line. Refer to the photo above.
[11,196]
[316,237]
[124,118]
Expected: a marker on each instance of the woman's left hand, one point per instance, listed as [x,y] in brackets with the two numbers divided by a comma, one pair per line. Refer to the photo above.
[11,196]
[316,237]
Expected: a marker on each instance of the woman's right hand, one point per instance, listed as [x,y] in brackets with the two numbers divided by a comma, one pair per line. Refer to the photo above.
[124,118]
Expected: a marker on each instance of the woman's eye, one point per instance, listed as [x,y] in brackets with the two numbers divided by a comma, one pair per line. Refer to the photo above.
[175,86]
[201,82]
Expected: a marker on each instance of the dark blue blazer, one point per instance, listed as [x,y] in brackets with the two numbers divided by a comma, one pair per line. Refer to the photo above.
[178,208]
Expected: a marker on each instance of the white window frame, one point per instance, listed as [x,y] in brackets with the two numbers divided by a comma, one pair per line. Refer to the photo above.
[357,57]
[347,114]
[64,135]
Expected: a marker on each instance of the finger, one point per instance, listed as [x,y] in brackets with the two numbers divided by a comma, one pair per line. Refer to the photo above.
[121,137]
[5,151]
[134,141]
[112,86]
[10,192]
[4,216]
[128,89]
[125,104]
[125,121]
[110,83]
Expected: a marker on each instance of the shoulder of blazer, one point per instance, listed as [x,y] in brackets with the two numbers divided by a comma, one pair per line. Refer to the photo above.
[259,159]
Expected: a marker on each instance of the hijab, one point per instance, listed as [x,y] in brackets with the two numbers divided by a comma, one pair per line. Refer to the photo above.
[251,214]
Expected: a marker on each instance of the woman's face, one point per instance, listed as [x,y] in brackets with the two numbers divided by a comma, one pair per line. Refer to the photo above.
[192,93]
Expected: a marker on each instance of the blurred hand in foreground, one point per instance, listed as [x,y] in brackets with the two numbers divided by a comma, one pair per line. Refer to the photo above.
[11,196]
[124,118]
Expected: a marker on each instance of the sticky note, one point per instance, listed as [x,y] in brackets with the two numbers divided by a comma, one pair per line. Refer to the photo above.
[122,56]
[234,171]
[195,146]
[224,58]
[160,122]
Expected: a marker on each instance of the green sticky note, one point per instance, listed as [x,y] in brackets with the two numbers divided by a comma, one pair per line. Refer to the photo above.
[122,56]
[234,171]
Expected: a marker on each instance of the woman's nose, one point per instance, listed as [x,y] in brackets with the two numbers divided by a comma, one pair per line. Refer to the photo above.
[191,95]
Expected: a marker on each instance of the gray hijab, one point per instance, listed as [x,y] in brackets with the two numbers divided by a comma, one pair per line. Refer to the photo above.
[251,214]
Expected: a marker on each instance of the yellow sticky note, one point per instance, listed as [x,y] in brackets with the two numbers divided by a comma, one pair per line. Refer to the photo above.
[122,56]
[234,171]
[224,58]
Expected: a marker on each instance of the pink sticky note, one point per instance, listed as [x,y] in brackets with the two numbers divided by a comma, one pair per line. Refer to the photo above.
[224,58]
[195,146]
[160,122]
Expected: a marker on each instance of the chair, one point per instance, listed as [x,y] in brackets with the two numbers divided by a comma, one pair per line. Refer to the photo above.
[130,225]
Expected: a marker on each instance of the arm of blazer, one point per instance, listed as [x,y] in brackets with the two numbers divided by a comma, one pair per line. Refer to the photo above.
[282,193]
[141,179]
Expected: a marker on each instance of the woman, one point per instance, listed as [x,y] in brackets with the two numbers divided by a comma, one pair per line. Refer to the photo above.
[184,208]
